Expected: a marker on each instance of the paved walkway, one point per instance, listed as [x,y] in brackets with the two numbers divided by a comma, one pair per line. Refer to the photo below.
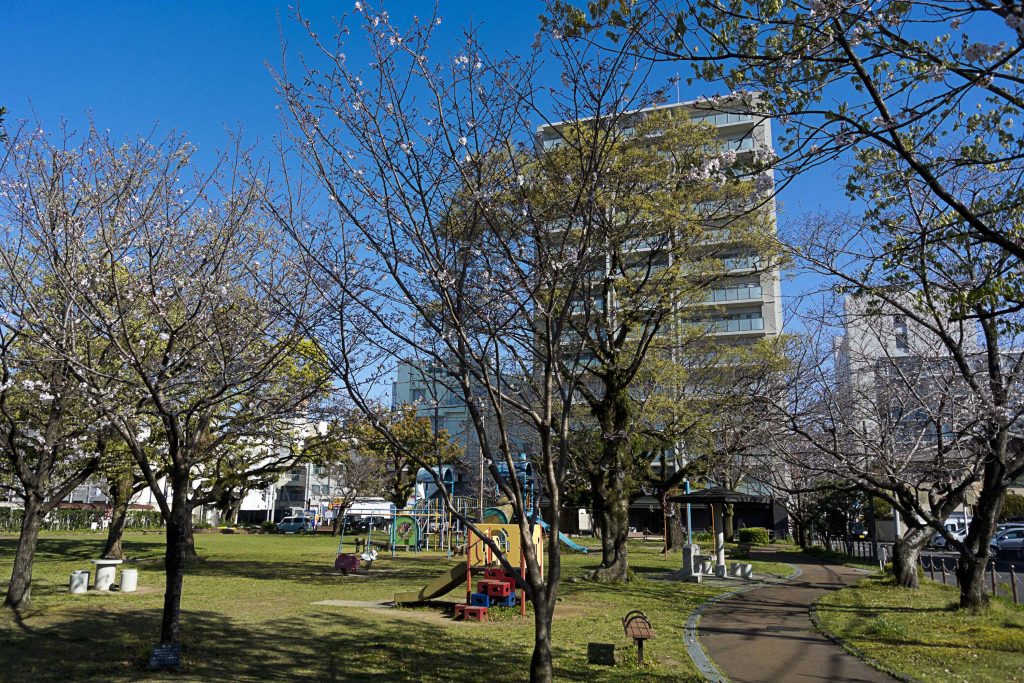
[766,634]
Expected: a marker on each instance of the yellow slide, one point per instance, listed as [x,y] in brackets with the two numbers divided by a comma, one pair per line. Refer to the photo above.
[436,588]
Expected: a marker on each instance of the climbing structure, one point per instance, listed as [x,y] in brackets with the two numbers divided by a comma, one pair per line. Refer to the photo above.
[495,585]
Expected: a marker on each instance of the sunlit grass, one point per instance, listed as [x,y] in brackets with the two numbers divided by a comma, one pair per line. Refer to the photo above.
[919,633]
[249,615]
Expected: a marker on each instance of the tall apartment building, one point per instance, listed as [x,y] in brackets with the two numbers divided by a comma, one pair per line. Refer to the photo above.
[747,304]
[743,305]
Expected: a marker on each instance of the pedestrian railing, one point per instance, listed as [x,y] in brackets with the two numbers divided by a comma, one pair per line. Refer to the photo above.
[1004,583]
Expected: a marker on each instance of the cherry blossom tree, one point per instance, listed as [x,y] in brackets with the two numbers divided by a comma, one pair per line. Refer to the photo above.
[419,254]
[182,305]
[444,232]
[940,414]
[51,434]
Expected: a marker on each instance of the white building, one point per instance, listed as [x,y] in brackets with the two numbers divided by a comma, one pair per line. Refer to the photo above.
[747,303]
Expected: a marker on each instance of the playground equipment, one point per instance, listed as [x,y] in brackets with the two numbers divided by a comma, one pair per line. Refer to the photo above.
[349,562]
[502,515]
[497,586]
[428,523]
[565,540]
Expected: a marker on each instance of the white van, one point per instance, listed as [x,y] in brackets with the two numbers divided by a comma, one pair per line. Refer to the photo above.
[954,524]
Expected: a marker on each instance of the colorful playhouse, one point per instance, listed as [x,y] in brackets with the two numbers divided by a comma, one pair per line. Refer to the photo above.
[494,585]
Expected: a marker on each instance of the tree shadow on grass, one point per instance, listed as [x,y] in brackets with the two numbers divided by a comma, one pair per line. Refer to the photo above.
[329,646]
[85,548]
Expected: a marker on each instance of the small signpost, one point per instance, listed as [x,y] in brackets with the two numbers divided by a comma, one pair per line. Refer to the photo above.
[165,656]
[638,627]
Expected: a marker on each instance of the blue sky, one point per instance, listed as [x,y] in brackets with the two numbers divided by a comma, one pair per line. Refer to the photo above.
[200,67]
[195,66]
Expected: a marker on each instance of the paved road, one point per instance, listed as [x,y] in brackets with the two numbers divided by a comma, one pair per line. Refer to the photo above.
[767,635]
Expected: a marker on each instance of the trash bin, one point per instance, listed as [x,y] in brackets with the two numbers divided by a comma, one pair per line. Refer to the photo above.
[129,580]
[79,582]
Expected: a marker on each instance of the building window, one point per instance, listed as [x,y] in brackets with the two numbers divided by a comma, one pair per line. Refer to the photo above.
[899,326]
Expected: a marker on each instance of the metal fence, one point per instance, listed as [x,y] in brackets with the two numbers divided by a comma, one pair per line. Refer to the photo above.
[1005,581]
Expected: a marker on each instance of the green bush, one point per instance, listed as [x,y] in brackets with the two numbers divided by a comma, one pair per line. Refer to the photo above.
[143,519]
[1013,507]
[268,526]
[10,519]
[755,535]
[705,538]
[882,509]
[74,519]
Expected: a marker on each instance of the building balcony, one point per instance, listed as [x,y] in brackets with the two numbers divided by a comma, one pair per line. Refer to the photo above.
[729,294]
[734,324]
[740,263]
[721,119]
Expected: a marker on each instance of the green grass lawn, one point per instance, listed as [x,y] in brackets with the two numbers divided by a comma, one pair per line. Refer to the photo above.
[248,615]
[919,634]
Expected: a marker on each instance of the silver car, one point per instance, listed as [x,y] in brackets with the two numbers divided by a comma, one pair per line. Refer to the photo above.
[939,541]
[1009,541]
[293,525]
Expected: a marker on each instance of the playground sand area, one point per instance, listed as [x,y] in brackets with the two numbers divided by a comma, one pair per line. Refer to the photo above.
[266,607]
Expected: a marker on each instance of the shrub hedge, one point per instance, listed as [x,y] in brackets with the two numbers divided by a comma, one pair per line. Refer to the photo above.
[756,535]
[74,519]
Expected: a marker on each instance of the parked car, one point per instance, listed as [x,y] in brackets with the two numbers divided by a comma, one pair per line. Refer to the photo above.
[1008,541]
[349,523]
[374,522]
[939,541]
[293,525]
[858,532]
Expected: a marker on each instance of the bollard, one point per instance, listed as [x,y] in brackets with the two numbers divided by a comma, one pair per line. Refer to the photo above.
[79,582]
[1013,584]
[931,568]
[943,569]
[992,574]
[129,581]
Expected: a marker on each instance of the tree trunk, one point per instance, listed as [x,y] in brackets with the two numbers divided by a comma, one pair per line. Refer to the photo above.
[673,530]
[179,532]
[615,532]
[119,490]
[540,663]
[973,563]
[19,591]
[190,539]
[728,512]
[599,495]
[611,489]
[971,574]
[906,553]
[799,530]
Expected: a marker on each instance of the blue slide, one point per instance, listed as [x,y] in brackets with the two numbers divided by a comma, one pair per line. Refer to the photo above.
[563,538]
